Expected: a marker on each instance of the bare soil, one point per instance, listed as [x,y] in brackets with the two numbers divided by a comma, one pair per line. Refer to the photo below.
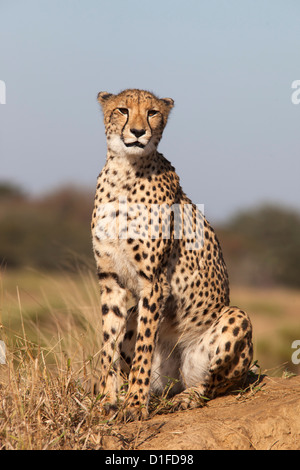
[267,417]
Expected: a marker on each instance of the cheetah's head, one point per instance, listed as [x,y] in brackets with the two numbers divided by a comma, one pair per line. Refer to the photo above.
[134,121]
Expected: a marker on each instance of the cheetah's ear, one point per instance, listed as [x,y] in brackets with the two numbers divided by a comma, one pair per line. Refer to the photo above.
[169,102]
[103,96]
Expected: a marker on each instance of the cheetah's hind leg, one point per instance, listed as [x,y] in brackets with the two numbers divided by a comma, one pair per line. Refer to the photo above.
[218,362]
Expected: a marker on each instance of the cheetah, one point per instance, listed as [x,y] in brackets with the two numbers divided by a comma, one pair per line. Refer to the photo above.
[169,260]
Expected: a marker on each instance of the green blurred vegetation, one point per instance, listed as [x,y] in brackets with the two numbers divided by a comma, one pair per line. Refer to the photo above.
[261,246]
[50,232]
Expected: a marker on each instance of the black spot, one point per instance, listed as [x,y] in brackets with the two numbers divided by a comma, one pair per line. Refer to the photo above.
[116,311]
[105,336]
[153,307]
[148,333]
[141,273]
[102,275]
[236,360]
[236,331]
[129,335]
[105,309]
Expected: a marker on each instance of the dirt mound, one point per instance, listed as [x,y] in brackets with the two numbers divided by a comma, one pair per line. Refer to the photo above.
[267,417]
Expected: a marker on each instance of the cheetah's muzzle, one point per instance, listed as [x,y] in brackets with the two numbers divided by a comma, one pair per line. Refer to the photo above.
[135,144]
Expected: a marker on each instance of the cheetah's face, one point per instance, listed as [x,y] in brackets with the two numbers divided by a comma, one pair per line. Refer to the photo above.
[134,121]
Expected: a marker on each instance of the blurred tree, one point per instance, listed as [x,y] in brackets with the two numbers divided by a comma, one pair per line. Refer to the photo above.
[47,233]
[271,243]
[10,191]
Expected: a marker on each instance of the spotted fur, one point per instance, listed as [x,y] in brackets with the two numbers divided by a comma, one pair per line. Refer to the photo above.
[182,325]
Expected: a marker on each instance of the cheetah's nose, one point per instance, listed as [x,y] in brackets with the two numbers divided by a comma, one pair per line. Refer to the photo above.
[138,132]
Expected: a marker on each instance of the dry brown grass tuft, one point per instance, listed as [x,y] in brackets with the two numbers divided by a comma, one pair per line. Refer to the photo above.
[47,407]
[44,407]
[46,393]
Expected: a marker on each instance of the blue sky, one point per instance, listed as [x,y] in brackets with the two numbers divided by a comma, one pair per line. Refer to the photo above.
[233,135]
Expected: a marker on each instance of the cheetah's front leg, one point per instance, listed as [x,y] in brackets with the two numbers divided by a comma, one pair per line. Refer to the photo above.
[113,300]
[149,308]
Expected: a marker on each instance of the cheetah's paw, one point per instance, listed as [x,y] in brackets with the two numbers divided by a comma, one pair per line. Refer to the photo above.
[188,399]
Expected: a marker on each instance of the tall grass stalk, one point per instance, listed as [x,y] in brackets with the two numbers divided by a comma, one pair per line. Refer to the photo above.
[46,393]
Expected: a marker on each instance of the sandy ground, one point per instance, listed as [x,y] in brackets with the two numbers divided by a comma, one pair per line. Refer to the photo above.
[268,417]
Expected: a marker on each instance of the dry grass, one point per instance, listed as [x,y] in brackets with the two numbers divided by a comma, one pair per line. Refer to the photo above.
[52,330]
[43,409]
[45,402]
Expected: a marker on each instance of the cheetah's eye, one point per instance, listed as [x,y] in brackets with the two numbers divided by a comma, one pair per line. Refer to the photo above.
[123,111]
[152,112]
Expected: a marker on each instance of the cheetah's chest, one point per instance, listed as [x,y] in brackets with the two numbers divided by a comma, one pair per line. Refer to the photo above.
[120,262]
